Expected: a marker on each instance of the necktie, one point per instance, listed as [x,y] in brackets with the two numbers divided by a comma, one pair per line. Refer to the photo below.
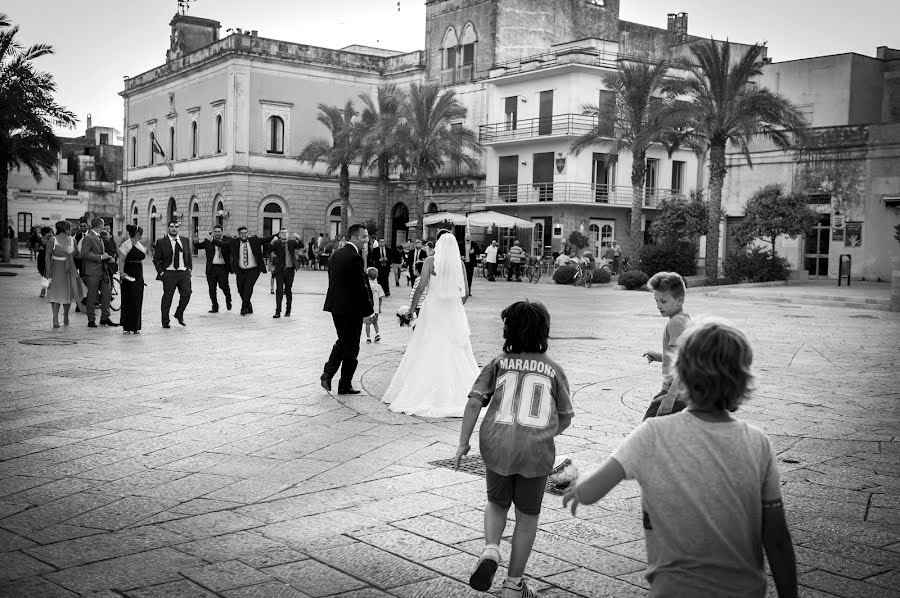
[287,257]
[177,258]
[246,248]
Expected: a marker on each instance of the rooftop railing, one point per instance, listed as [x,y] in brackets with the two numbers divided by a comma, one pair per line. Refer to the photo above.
[560,124]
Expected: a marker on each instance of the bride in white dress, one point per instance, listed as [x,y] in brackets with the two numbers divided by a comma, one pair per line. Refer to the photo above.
[438,369]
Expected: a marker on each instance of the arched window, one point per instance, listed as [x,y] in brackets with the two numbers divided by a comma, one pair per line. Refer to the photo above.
[219,141]
[195,221]
[134,152]
[195,140]
[334,222]
[275,135]
[272,219]
[399,218]
[153,218]
[467,42]
[220,211]
[448,49]
[152,150]
[172,209]
[432,208]
[134,215]
[171,143]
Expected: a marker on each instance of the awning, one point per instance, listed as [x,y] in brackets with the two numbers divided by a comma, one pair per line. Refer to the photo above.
[438,217]
[491,218]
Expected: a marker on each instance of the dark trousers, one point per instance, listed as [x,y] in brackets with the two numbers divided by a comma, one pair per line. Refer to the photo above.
[384,279]
[345,349]
[514,271]
[491,270]
[218,275]
[98,287]
[284,280]
[246,279]
[470,272]
[175,279]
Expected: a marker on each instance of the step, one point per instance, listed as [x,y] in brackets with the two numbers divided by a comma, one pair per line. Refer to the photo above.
[811,296]
[860,303]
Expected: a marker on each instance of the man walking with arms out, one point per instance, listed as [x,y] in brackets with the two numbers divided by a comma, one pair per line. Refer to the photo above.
[218,266]
[172,258]
[349,301]
[284,265]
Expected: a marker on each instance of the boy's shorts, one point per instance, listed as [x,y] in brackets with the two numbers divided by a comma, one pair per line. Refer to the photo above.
[373,319]
[526,493]
[679,405]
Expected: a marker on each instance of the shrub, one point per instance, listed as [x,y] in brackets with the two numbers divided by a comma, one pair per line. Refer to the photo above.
[564,275]
[756,265]
[601,276]
[577,240]
[633,279]
[671,256]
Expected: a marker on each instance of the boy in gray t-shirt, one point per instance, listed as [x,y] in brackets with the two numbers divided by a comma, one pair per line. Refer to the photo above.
[668,292]
[709,483]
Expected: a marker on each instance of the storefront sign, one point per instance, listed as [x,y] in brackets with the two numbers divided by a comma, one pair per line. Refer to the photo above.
[837,234]
[854,234]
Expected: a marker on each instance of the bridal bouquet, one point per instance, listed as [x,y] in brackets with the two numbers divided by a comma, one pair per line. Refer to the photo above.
[404,315]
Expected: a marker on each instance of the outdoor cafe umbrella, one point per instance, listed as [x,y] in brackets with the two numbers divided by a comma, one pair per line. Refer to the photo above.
[431,219]
[491,218]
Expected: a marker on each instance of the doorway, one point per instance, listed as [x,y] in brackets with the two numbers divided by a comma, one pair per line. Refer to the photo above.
[601,233]
[542,175]
[817,246]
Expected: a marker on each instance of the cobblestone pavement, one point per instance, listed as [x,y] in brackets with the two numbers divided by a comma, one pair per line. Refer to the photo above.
[207,461]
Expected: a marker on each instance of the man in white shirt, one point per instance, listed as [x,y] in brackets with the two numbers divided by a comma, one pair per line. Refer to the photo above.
[490,260]
[218,266]
[173,260]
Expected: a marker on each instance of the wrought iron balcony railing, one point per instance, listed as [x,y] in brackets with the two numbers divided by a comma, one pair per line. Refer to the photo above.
[572,125]
[619,195]
[459,74]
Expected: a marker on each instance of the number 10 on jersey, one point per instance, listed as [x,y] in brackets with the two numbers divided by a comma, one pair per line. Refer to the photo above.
[534,398]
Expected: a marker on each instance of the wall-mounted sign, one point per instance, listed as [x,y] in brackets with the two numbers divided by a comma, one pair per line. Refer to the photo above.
[854,234]
[837,220]
[837,235]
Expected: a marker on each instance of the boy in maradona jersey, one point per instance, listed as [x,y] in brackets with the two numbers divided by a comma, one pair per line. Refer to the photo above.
[527,396]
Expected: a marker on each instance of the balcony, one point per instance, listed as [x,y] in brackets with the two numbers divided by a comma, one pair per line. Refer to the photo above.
[580,193]
[459,74]
[572,125]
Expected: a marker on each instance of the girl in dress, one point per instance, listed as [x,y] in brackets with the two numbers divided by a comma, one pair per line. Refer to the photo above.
[438,369]
[65,284]
[131,265]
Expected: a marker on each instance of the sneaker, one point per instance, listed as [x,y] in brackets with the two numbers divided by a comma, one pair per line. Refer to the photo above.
[377,337]
[368,340]
[483,576]
[511,590]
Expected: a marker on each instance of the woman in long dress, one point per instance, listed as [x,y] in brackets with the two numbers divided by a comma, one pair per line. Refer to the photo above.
[65,284]
[131,265]
[438,368]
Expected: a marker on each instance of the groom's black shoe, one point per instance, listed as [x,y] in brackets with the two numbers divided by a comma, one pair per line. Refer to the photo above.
[326,382]
[348,391]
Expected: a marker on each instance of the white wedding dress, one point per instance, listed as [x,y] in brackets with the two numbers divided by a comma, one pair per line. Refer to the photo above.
[438,368]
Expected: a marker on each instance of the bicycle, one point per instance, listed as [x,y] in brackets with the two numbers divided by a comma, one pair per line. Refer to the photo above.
[584,274]
[533,270]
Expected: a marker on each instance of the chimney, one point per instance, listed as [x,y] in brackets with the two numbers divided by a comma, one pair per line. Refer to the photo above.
[680,27]
[88,121]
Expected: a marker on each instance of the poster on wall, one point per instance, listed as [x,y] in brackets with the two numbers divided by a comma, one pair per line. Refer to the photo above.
[853,234]
[837,234]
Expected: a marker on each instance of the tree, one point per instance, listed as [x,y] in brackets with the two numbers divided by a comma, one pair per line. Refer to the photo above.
[681,219]
[338,152]
[771,213]
[28,113]
[379,125]
[430,135]
[578,240]
[640,116]
[728,106]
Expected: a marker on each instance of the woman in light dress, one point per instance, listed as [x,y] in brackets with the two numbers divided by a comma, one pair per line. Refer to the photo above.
[438,368]
[65,284]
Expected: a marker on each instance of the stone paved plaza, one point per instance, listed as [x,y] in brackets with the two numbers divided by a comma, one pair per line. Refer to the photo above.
[207,461]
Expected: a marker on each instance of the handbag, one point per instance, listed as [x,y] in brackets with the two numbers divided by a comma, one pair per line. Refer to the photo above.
[45,282]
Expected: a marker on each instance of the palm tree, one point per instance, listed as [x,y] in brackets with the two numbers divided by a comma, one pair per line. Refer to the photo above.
[729,107]
[28,113]
[379,124]
[338,152]
[430,136]
[640,116]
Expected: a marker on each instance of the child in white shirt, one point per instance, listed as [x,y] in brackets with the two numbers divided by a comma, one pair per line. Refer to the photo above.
[377,296]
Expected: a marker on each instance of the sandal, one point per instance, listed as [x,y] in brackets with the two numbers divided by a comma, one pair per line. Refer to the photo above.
[377,337]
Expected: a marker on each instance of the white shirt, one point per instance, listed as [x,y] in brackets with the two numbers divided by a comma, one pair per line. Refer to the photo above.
[490,254]
[217,258]
[246,261]
[181,266]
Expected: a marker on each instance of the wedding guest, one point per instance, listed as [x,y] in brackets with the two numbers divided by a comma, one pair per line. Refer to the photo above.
[46,235]
[34,243]
[94,257]
[380,260]
[284,264]
[377,297]
[218,266]
[131,266]
[469,251]
[65,284]
[247,262]
[490,260]
[395,256]
[173,267]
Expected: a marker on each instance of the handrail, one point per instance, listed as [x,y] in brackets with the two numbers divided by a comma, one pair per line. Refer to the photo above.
[558,124]
[587,193]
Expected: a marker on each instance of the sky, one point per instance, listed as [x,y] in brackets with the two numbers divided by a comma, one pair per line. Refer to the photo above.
[98,42]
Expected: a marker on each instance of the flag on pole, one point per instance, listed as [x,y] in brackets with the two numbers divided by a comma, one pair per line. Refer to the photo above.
[157,149]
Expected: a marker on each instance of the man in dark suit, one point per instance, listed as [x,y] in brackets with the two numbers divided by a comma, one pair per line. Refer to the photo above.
[172,258]
[349,300]
[218,266]
[83,228]
[380,259]
[95,258]
[415,256]
[285,263]
[247,262]
[469,250]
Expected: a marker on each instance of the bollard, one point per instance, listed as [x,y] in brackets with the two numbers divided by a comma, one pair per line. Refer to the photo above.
[844,267]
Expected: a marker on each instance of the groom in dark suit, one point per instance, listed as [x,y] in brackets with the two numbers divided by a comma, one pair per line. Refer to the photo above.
[172,258]
[349,301]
